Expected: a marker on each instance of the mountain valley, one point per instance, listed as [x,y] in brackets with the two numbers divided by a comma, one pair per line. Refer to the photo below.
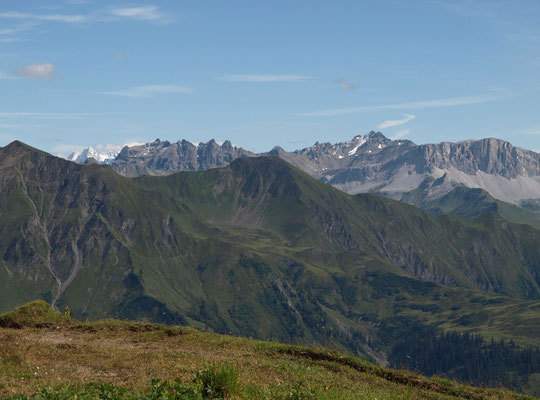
[259,248]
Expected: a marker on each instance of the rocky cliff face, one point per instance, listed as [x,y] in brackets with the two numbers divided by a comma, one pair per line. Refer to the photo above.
[164,158]
[368,163]
[393,167]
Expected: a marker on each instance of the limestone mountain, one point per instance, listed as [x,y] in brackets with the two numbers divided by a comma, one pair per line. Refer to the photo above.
[393,167]
[163,158]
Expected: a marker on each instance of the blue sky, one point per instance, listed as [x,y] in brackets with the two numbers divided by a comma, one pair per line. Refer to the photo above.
[289,73]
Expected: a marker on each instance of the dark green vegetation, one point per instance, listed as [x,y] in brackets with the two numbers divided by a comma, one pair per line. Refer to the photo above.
[56,357]
[258,249]
[471,203]
[467,358]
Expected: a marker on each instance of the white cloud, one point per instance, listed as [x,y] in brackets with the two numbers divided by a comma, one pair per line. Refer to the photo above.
[147,13]
[148,91]
[143,13]
[6,76]
[7,35]
[44,71]
[531,131]
[345,84]
[388,124]
[133,143]
[265,78]
[68,18]
[63,150]
[448,102]
[42,115]
[10,40]
[399,134]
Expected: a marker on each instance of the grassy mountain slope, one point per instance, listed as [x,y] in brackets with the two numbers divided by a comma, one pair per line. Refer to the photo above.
[268,194]
[259,249]
[64,358]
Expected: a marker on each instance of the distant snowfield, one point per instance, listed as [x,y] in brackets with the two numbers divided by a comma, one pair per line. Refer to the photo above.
[105,157]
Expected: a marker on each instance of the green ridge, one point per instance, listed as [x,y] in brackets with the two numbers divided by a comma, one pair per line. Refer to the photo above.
[258,249]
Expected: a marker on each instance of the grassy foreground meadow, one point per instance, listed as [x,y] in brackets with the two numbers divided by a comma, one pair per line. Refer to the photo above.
[48,355]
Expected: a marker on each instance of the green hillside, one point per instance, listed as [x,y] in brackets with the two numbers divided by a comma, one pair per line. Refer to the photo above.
[46,355]
[259,249]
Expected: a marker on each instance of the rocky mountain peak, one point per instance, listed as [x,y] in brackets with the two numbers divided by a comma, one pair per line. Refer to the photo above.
[377,138]
[276,151]
[164,158]
[15,146]
[104,157]
[369,162]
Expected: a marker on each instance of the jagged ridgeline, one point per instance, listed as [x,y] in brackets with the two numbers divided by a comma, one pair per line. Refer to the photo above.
[465,178]
[258,248]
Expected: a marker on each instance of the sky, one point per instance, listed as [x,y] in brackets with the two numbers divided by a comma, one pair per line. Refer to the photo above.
[76,73]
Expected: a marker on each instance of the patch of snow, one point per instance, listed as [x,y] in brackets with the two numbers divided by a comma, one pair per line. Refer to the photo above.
[73,156]
[360,142]
[340,157]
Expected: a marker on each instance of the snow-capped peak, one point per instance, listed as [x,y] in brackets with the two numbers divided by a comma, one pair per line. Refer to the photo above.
[105,157]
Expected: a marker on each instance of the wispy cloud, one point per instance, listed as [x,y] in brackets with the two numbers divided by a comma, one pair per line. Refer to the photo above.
[148,13]
[265,78]
[10,34]
[45,71]
[68,18]
[8,126]
[531,131]
[4,76]
[10,40]
[144,13]
[42,115]
[21,27]
[342,83]
[399,134]
[149,91]
[414,105]
[388,124]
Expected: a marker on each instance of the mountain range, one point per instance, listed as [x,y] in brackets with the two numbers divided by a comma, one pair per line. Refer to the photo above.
[259,248]
[75,234]
[465,178]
